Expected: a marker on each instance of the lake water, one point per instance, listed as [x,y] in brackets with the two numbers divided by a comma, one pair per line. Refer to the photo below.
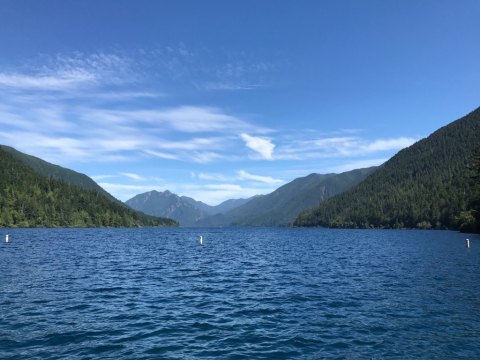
[246,293]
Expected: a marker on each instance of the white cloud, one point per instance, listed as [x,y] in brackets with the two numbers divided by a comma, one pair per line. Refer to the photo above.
[133,176]
[336,147]
[260,145]
[59,81]
[123,95]
[102,177]
[205,157]
[73,118]
[214,194]
[199,119]
[162,155]
[243,175]
[186,119]
[360,164]
[389,144]
[210,177]
[227,86]
[335,141]
[65,72]
[78,133]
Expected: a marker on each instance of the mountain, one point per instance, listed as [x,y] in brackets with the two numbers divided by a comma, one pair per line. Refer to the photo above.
[423,186]
[281,207]
[56,172]
[185,210]
[28,198]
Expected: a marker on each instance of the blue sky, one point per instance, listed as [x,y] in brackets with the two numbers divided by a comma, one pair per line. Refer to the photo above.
[228,99]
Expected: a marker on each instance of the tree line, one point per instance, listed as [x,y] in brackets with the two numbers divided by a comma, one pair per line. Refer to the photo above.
[430,185]
[28,199]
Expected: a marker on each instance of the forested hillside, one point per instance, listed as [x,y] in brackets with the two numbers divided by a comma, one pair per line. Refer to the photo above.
[28,199]
[470,219]
[424,186]
[49,170]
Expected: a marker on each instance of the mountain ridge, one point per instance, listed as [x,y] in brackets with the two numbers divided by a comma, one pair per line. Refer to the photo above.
[422,186]
[31,199]
[185,210]
[47,169]
[280,207]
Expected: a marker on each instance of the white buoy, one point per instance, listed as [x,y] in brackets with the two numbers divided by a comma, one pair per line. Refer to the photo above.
[468,243]
[201,240]
[6,238]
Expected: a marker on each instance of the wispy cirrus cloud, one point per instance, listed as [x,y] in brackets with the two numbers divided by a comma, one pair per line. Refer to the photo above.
[388,144]
[244,175]
[338,147]
[133,176]
[227,86]
[68,72]
[82,133]
[187,119]
[82,107]
[207,71]
[239,176]
[60,81]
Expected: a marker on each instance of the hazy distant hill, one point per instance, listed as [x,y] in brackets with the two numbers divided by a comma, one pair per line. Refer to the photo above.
[28,198]
[281,207]
[423,186]
[185,210]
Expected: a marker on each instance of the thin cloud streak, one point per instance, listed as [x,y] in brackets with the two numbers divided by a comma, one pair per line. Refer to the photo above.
[338,147]
[133,176]
[244,175]
[60,81]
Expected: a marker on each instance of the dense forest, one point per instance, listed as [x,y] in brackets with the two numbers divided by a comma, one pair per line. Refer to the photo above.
[470,219]
[29,199]
[49,170]
[428,185]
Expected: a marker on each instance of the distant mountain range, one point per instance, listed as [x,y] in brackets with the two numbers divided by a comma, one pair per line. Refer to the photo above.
[427,185]
[432,184]
[279,208]
[35,193]
[183,209]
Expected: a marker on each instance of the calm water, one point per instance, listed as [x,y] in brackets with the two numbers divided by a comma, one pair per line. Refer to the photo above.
[245,294]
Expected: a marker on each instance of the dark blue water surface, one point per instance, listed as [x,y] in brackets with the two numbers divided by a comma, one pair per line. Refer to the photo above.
[245,294]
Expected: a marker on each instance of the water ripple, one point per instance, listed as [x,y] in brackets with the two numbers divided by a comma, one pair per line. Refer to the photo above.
[245,294]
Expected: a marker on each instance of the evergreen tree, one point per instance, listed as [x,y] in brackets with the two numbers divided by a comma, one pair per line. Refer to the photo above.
[28,199]
[475,193]
[424,186]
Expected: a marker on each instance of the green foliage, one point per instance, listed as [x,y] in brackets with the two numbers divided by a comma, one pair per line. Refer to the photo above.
[44,168]
[470,219]
[28,199]
[424,186]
